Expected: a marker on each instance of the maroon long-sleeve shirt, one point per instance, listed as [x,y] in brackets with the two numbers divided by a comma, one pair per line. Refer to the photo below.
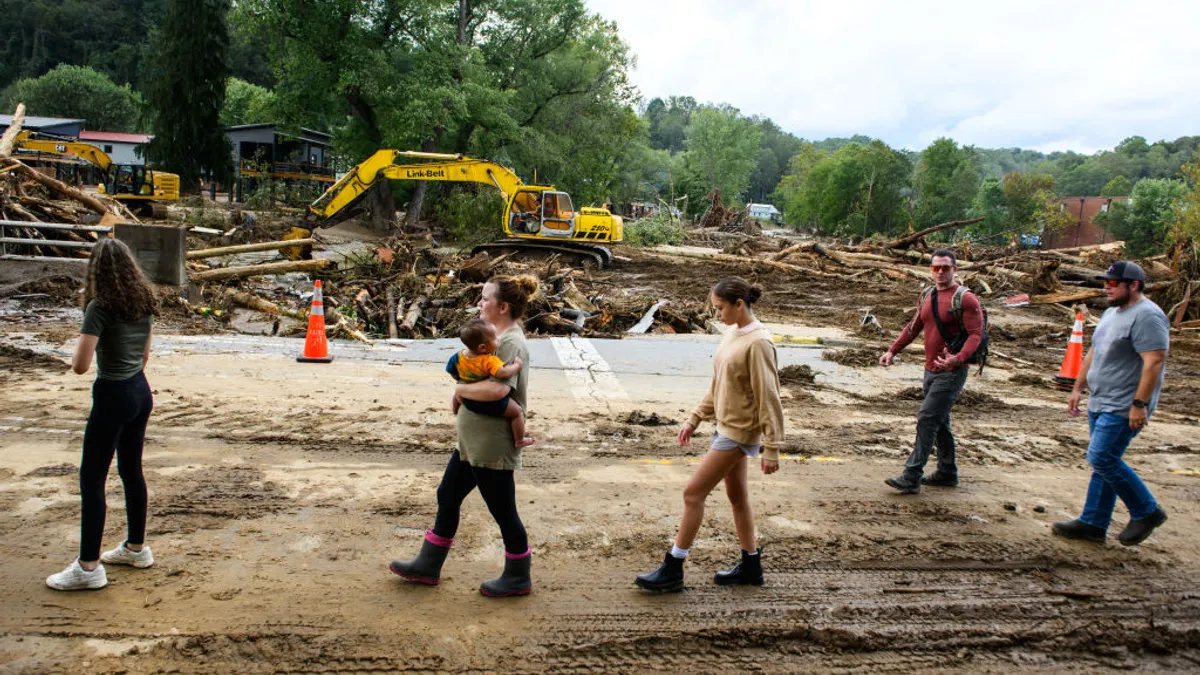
[972,318]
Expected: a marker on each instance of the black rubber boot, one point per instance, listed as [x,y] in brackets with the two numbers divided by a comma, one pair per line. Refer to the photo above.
[667,578]
[748,572]
[513,581]
[1077,529]
[1138,530]
[426,568]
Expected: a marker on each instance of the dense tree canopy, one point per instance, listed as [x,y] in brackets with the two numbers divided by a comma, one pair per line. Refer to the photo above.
[1145,221]
[79,92]
[539,85]
[947,179]
[187,92]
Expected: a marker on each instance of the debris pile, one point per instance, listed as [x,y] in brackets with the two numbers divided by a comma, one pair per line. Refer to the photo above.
[30,196]
[1047,276]
[408,288]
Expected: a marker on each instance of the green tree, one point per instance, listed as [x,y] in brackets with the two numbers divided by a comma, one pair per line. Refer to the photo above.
[108,36]
[246,103]
[187,91]
[1119,186]
[514,81]
[1145,223]
[722,149]
[857,190]
[947,179]
[1187,207]
[788,196]
[668,119]
[1087,179]
[79,92]
[1019,204]
[776,148]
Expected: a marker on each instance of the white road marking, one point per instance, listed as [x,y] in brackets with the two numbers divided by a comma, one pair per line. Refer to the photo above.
[592,379]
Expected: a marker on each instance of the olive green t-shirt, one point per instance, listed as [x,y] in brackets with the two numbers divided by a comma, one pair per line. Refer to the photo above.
[486,441]
[122,344]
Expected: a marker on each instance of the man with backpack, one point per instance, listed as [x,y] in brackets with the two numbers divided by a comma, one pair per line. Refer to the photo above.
[954,324]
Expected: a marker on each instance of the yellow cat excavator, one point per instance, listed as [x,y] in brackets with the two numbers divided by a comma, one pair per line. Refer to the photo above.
[138,187]
[536,217]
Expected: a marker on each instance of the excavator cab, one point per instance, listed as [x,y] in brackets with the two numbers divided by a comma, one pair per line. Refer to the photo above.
[542,213]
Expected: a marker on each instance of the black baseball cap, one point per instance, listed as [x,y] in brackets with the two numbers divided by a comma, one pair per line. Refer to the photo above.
[1124,270]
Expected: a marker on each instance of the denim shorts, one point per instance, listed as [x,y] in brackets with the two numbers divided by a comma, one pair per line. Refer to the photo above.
[722,444]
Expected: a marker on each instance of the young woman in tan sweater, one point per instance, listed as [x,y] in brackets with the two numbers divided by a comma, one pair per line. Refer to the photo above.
[743,398]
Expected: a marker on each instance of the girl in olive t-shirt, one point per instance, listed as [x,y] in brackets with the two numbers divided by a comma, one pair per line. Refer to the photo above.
[118,307]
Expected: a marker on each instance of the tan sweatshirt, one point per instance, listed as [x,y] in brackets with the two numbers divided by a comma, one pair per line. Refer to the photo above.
[744,394]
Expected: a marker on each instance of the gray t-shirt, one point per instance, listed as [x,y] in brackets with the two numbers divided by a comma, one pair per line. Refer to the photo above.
[122,344]
[486,441]
[1117,345]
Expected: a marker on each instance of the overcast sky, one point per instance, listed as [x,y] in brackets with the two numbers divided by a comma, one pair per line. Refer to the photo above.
[1044,75]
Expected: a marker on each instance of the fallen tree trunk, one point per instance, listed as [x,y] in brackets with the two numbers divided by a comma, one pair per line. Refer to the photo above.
[671,252]
[390,313]
[859,261]
[61,188]
[1076,296]
[258,304]
[1110,247]
[246,248]
[10,135]
[909,240]
[338,323]
[414,313]
[224,273]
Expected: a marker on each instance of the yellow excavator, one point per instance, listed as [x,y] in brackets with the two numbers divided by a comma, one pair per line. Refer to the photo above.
[138,187]
[536,217]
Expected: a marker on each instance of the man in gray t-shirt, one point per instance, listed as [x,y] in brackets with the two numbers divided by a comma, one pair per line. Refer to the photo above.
[1123,372]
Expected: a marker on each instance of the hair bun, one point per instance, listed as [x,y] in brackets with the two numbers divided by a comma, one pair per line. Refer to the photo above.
[754,294]
[527,283]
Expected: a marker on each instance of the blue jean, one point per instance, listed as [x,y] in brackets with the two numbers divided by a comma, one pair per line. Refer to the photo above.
[1111,476]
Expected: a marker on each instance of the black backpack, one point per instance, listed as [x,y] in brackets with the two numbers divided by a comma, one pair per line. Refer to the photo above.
[956,343]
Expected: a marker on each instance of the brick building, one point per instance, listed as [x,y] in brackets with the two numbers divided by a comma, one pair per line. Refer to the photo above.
[1081,231]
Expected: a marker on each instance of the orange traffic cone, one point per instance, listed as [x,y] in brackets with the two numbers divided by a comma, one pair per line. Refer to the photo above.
[316,349]
[1073,359]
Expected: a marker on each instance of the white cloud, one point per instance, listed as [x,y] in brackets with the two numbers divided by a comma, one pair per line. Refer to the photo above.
[1077,75]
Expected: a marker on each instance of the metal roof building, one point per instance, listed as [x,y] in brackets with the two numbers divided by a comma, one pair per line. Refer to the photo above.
[51,125]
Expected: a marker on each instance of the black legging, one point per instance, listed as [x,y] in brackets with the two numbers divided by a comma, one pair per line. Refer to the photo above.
[120,410]
[499,492]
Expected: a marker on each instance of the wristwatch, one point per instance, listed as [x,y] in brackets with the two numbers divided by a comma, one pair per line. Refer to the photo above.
[1139,403]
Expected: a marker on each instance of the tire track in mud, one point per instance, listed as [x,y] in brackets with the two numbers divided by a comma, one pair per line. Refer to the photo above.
[840,616]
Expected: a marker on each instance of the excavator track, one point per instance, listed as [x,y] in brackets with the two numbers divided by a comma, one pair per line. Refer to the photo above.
[600,256]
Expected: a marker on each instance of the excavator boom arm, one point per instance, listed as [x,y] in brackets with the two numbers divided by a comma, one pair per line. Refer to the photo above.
[84,151]
[382,165]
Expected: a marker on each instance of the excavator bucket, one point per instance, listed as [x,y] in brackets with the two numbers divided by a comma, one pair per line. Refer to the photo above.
[300,230]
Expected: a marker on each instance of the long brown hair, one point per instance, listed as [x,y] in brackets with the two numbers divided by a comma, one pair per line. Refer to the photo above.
[516,291]
[116,282]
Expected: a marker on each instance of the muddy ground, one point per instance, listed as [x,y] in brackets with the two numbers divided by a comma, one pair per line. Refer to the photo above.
[280,491]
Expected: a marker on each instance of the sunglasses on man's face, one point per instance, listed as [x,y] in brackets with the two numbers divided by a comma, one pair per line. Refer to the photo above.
[941,268]
[1113,282]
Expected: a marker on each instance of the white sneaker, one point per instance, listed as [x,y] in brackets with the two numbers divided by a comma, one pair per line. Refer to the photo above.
[75,578]
[124,556]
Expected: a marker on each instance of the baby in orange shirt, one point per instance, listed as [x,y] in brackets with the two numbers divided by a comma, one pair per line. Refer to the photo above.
[478,362]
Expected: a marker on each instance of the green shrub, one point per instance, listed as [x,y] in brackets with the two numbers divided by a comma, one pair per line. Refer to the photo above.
[653,231]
